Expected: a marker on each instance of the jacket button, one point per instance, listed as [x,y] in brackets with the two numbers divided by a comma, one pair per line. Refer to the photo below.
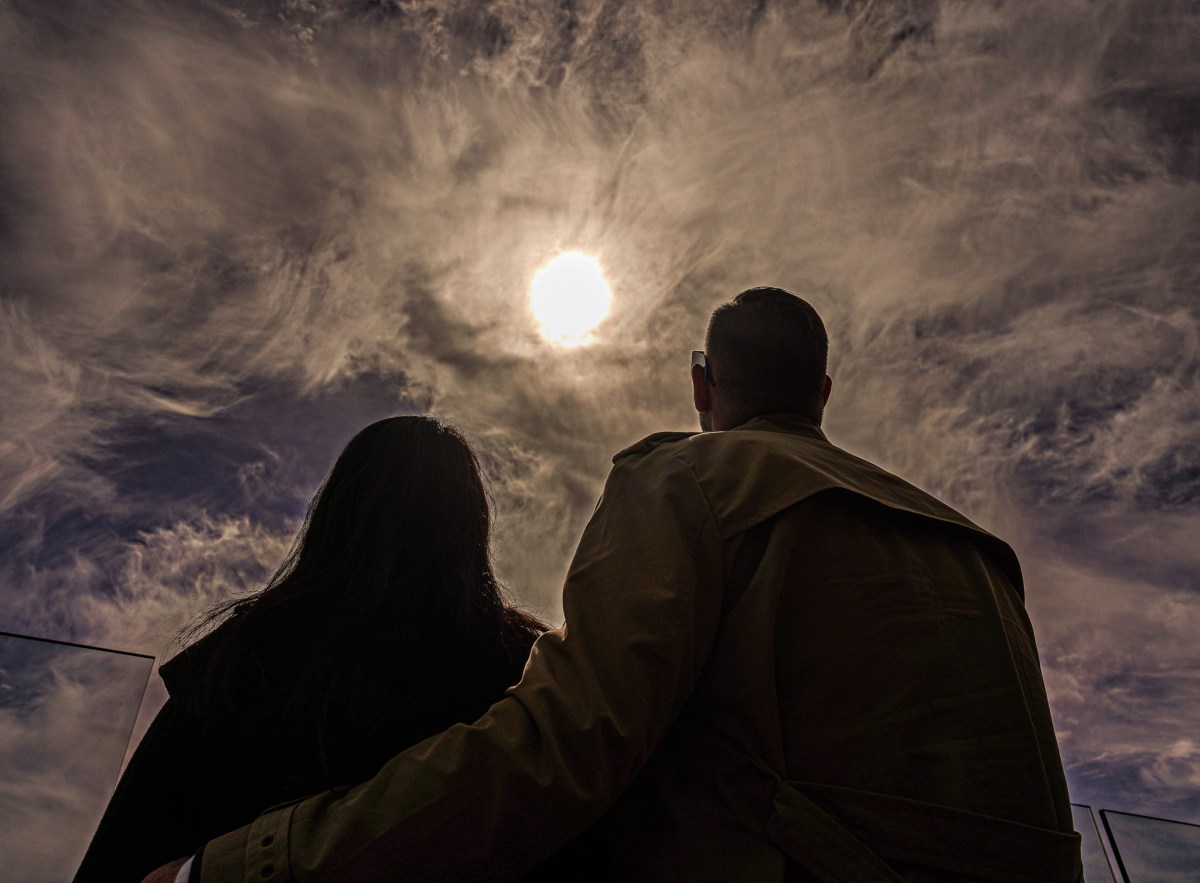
[268,840]
[268,870]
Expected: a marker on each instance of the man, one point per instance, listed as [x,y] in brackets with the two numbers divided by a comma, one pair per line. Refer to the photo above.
[779,662]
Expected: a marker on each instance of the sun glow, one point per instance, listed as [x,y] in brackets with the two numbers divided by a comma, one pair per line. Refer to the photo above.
[569,297]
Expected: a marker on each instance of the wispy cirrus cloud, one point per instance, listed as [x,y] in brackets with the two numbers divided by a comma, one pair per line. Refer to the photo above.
[232,233]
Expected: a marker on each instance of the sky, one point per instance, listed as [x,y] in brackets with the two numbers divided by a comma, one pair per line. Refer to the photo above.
[66,713]
[233,233]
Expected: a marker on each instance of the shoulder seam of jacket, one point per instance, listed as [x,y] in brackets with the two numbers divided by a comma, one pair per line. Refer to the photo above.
[650,443]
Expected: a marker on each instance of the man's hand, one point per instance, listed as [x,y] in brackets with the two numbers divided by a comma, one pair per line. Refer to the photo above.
[166,874]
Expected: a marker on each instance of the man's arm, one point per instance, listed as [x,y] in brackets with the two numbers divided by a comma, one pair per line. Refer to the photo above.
[490,800]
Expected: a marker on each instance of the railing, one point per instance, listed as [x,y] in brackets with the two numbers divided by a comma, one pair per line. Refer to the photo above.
[1143,849]
[1146,848]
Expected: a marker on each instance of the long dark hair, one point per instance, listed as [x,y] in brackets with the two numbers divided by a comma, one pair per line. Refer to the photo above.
[390,578]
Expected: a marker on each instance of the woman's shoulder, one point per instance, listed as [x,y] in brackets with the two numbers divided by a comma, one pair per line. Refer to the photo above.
[234,671]
[181,672]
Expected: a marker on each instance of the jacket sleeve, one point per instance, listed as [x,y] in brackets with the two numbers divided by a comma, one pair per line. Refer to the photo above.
[146,822]
[489,800]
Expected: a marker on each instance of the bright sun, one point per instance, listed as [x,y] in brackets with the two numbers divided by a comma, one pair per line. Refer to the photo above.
[570,296]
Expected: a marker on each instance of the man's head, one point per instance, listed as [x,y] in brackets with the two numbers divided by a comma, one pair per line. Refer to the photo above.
[766,351]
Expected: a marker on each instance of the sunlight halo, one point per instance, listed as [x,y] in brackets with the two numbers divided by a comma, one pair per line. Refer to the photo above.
[569,297]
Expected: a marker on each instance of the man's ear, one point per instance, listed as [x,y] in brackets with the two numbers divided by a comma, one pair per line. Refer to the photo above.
[701,392]
[826,390]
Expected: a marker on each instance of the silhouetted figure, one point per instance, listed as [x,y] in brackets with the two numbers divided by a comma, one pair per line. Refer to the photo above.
[780,662]
[384,625]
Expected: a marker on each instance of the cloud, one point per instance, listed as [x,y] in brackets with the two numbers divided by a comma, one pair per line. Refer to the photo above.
[65,718]
[136,595]
[42,436]
[994,205]
[1121,676]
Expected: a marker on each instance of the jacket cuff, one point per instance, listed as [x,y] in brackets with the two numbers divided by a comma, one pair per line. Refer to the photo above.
[257,853]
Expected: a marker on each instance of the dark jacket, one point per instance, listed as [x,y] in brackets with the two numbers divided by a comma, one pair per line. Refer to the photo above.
[774,651]
[203,768]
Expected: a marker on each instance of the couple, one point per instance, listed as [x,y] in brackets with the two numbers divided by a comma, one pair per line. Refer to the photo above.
[779,663]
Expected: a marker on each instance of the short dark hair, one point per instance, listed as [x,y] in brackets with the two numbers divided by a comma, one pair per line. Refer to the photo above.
[768,350]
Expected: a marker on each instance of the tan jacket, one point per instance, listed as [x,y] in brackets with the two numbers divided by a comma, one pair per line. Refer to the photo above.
[786,650]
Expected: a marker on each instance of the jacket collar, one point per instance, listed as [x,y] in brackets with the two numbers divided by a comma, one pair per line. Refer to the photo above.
[784,421]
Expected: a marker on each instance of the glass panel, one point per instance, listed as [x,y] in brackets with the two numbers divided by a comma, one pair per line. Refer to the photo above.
[66,712]
[1096,868]
[1150,849]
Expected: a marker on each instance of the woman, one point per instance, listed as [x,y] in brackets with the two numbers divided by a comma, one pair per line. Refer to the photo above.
[384,625]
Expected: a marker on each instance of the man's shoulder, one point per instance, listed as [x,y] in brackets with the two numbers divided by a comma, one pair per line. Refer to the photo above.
[651,443]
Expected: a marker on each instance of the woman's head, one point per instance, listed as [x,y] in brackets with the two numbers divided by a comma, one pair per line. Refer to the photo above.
[404,506]
[391,569]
